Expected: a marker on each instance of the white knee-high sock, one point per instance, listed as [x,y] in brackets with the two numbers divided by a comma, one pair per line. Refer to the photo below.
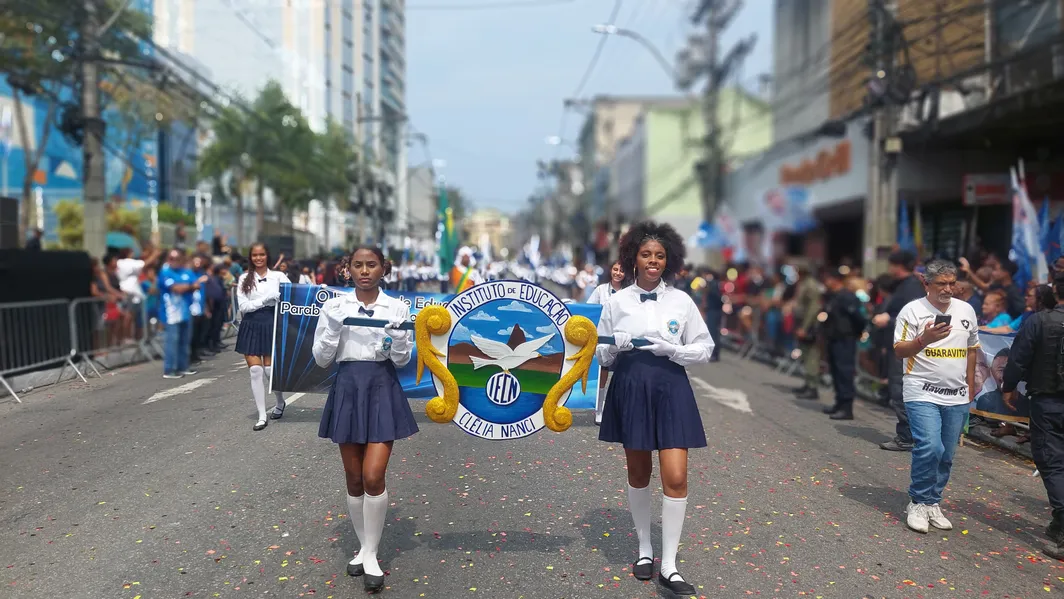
[276,392]
[258,390]
[374,511]
[639,505]
[673,510]
[354,512]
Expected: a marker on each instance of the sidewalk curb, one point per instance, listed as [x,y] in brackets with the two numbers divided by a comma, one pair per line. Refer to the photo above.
[1009,443]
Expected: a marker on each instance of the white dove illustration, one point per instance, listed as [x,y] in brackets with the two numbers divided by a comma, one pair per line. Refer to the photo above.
[503,355]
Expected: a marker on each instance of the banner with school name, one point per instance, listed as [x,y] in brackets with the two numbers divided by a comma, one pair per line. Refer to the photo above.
[294,368]
[989,372]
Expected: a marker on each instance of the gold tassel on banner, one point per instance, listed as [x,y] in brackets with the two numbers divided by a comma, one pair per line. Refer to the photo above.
[435,320]
[582,332]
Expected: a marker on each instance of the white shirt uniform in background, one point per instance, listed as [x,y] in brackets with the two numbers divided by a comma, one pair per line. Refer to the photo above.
[305,279]
[128,271]
[601,294]
[362,344]
[672,317]
[267,290]
[939,373]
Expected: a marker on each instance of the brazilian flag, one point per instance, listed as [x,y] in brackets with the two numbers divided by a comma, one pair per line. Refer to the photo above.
[448,237]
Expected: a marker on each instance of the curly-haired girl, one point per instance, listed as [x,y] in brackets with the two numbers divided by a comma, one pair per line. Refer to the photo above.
[650,404]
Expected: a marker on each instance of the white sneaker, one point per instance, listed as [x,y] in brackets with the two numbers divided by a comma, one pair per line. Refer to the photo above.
[937,518]
[916,516]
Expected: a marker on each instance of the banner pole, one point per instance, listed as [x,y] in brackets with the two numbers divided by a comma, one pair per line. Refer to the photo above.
[409,326]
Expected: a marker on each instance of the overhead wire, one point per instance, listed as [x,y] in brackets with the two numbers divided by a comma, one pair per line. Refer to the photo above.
[595,56]
[489,5]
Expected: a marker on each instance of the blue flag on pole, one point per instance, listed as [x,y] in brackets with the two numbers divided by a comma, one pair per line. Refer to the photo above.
[1025,251]
[1056,243]
[1043,227]
[905,232]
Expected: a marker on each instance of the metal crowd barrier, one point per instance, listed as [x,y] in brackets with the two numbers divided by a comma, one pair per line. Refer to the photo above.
[33,336]
[232,316]
[42,334]
[94,336]
[791,364]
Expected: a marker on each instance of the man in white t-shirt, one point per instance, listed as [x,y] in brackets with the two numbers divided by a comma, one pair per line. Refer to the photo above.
[937,338]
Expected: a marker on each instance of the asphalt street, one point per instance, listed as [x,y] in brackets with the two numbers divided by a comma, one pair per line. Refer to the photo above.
[131,486]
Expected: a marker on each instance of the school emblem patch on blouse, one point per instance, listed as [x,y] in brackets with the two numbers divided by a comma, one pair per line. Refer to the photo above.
[674,327]
[504,357]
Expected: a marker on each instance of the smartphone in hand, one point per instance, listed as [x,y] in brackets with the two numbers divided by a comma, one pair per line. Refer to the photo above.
[943,319]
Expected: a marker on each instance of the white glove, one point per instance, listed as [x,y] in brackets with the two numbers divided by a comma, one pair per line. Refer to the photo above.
[334,316]
[394,330]
[622,341]
[395,327]
[660,347]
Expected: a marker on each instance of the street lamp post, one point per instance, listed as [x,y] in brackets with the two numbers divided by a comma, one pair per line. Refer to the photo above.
[604,29]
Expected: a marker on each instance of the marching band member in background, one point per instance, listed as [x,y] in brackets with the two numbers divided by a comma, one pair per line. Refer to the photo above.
[650,404]
[367,408]
[599,296]
[464,275]
[259,290]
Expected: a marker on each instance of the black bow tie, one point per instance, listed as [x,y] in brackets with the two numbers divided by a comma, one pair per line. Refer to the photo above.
[262,280]
[648,296]
[362,310]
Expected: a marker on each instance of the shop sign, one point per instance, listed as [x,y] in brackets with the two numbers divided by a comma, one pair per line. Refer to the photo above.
[827,164]
[987,189]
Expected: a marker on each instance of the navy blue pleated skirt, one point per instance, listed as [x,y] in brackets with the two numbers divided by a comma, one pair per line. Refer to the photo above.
[255,337]
[650,405]
[366,405]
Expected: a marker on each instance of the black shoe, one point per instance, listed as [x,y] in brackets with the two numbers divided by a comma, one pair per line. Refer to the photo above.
[355,570]
[808,394]
[801,390]
[372,584]
[1055,530]
[276,414]
[643,568]
[677,585]
[261,424]
[1053,550]
[842,415]
[896,445]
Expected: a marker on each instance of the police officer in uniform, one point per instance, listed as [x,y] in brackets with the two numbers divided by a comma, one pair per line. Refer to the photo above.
[713,305]
[1036,357]
[843,325]
[808,302]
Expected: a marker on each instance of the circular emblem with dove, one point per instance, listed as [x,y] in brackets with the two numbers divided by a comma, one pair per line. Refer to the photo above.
[506,350]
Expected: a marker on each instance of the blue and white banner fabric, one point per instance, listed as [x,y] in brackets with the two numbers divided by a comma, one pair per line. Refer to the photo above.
[294,368]
[989,371]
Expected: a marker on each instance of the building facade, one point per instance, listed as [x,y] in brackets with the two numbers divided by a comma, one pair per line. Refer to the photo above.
[652,172]
[489,230]
[953,61]
[422,207]
[342,60]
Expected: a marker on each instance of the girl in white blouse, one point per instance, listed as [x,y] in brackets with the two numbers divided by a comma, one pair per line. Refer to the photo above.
[650,404]
[258,291]
[599,296]
[367,408]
